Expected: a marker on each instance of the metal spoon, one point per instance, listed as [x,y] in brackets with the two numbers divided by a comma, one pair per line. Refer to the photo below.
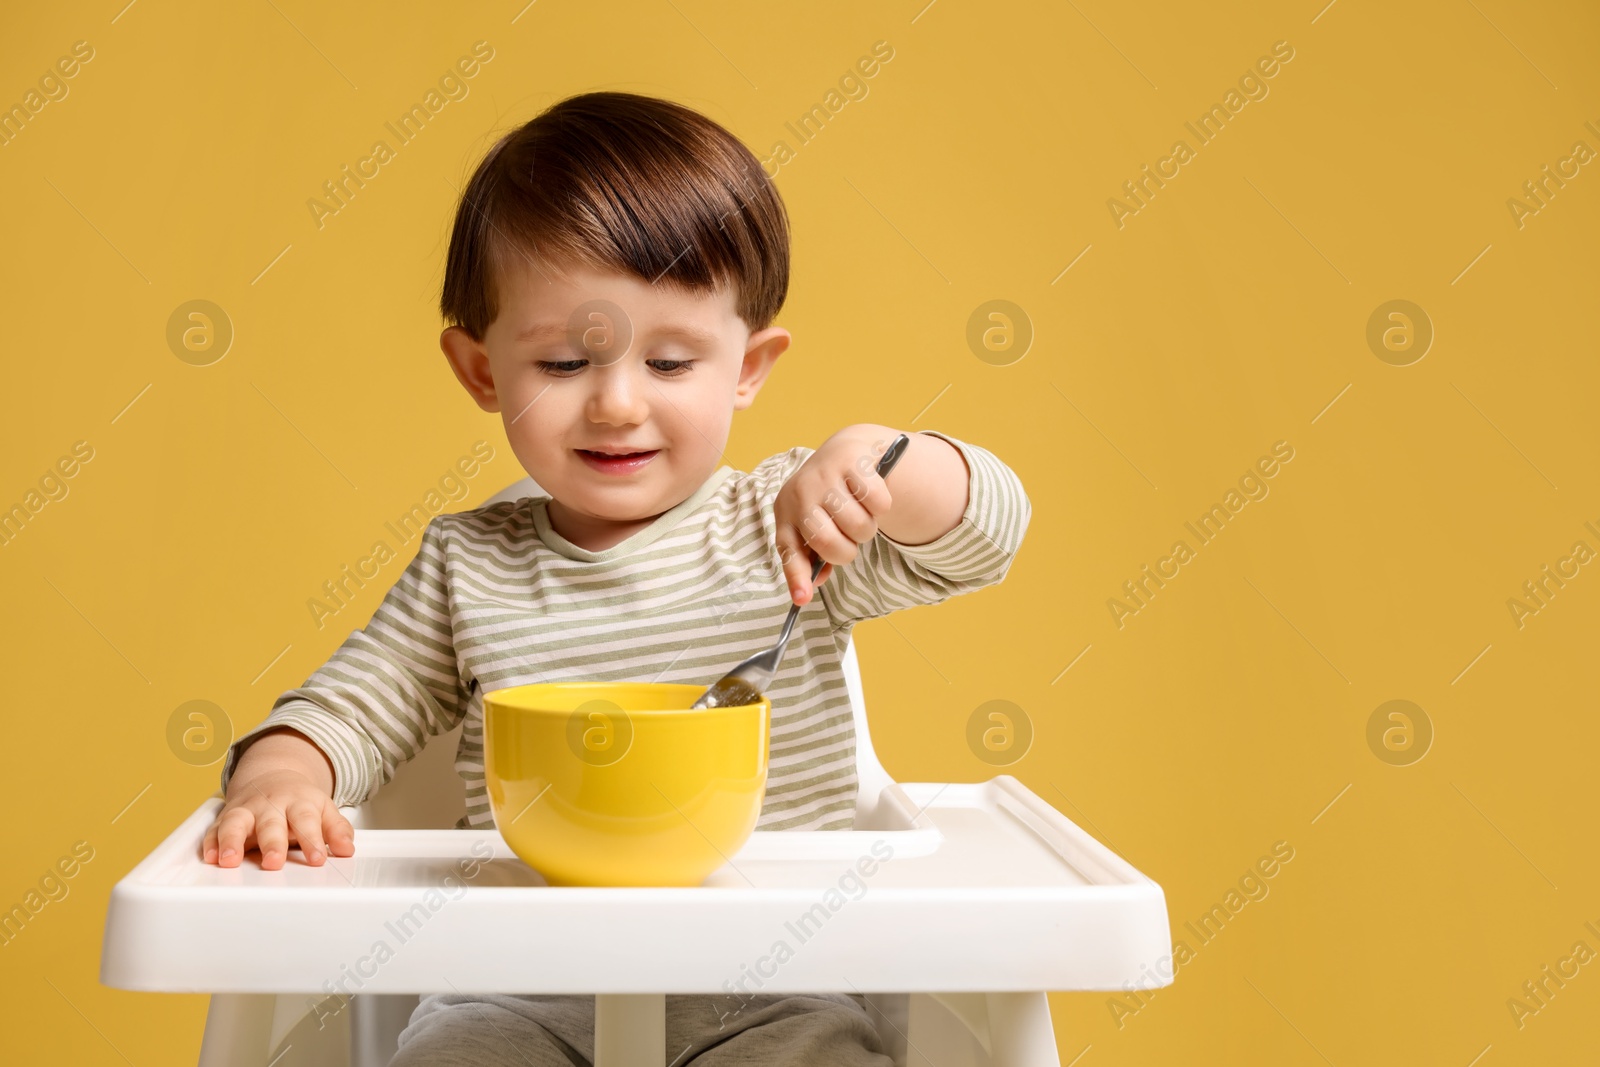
[744,684]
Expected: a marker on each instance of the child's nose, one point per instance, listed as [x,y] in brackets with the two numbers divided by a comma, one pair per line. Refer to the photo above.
[618,396]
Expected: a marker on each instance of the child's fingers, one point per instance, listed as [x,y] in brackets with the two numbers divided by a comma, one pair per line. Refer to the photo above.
[208,845]
[825,538]
[272,835]
[797,563]
[869,490]
[234,829]
[337,831]
[855,521]
[305,819]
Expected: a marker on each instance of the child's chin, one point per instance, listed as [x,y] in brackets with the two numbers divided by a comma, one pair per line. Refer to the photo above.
[624,503]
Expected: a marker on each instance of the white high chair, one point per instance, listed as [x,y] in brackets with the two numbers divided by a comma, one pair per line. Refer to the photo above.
[1042,905]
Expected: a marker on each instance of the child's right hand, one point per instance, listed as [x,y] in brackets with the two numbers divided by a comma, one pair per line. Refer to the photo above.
[280,794]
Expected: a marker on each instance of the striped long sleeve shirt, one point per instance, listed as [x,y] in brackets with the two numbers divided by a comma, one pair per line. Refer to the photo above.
[495,597]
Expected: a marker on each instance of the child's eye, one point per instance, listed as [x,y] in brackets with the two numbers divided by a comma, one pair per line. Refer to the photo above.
[566,368]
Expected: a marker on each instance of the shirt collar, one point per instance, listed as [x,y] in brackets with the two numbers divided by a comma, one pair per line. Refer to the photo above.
[635,541]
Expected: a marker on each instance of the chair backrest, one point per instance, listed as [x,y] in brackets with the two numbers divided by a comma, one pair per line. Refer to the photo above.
[427,793]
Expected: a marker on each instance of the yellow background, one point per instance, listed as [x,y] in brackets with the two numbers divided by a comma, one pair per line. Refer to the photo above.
[1226,315]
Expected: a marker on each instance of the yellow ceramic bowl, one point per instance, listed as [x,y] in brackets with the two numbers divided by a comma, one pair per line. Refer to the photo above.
[619,783]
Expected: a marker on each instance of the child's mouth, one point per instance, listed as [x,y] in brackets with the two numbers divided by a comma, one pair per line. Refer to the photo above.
[616,464]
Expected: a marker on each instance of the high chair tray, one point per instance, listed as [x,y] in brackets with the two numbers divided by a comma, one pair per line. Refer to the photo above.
[981,887]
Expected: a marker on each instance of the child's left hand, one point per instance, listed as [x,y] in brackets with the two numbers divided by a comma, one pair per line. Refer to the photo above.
[831,504]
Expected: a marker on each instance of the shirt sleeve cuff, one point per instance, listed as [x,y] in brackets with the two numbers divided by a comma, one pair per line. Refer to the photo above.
[352,774]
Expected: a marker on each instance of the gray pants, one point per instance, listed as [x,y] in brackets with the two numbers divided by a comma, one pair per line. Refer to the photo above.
[551,1030]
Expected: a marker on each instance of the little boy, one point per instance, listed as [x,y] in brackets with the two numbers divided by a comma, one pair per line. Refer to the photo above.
[613,274]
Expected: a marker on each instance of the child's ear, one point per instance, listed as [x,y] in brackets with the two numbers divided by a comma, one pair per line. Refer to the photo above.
[470,360]
[760,353]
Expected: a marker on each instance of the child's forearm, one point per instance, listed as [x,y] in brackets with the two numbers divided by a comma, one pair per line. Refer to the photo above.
[283,749]
[929,484]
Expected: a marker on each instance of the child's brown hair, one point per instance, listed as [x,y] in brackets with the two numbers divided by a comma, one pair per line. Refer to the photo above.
[623,183]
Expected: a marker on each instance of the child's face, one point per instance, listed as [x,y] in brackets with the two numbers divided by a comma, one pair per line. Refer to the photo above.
[553,363]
